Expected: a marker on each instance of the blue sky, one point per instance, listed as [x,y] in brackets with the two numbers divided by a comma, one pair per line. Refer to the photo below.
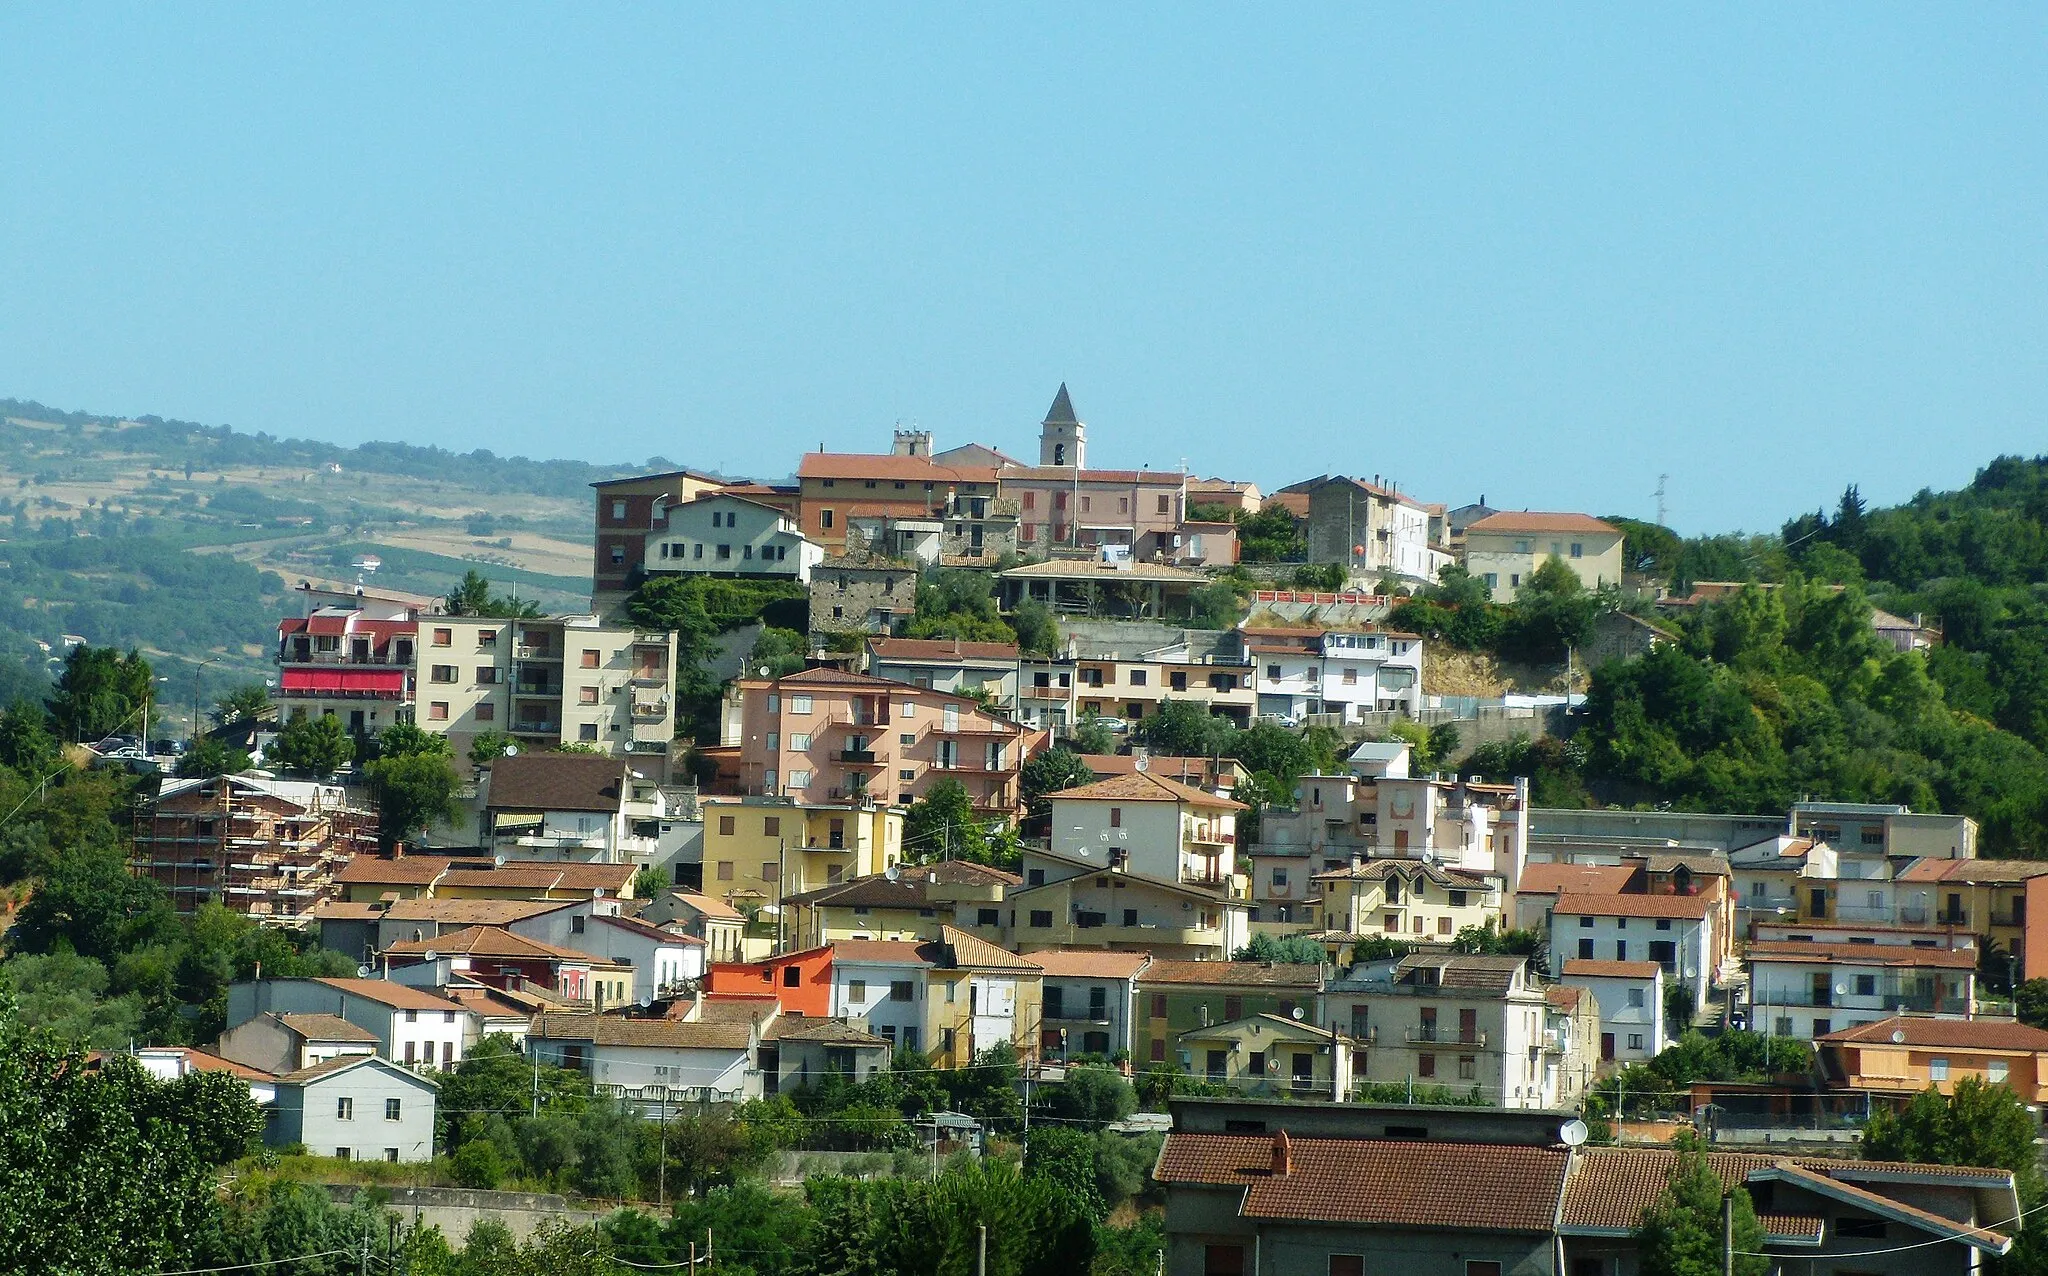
[1538,253]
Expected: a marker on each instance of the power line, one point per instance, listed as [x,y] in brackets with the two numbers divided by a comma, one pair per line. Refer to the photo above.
[1979,1228]
[268,1262]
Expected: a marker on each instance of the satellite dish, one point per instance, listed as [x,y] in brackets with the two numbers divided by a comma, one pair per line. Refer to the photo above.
[1297,1014]
[431,955]
[1144,763]
[1572,1133]
[511,750]
[1898,1036]
[364,972]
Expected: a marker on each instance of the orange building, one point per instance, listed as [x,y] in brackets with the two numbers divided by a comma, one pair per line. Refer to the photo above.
[800,982]
[835,487]
[1906,1054]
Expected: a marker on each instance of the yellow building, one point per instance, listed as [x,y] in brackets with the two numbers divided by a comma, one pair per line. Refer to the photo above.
[1269,1054]
[1403,899]
[916,902]
[759,851]
[980,995]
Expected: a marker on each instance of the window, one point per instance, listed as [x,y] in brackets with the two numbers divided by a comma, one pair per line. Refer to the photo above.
[1158,1050]
[1137,677]
[1223,1260]
[857,990]
[391,1109]
[792,977]
[1994,1072]
[1585,923]
[586,695]
[344,1109]
[1481,1267]
[1425,1065]
[1041,919]
[800,741]
[587,732]
[1272,673]
[486,711]
[725,870]
[1586,949]
[1468,1067]
[769,871]
[1116,817]
[437,711]
[411,1052]
[1578,549]
[1635,1041]
[391,1154]
[899,990]
[799,704]
[1866,985]
[1862,1229]
[1937,1069]
[725,825]
[1635,999]
[1165,504]
[341,1154]
[486,638]
[825,519]
[444,637]
[1233,1008]
[1347,1265]
[589,660]
[441,673]
[1663,923]
[1279,878]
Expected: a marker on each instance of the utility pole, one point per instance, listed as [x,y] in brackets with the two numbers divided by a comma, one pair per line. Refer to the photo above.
[1661,480]
[1728,1234]
[661,1175]
[981,1253]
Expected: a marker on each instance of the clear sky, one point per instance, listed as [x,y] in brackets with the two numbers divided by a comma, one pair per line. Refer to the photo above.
[1536,253]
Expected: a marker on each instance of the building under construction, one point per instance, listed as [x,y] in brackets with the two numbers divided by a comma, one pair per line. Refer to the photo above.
[268,849]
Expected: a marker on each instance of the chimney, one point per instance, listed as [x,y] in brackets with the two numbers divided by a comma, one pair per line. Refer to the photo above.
[1283,1156]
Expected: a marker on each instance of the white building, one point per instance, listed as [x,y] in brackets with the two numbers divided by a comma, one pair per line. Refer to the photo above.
[1342,672]
[578,807]
[1090,1000]
[1674,931]
[359,1108]
[720,534]
[881,985]
[412,1026]
[1809,989]
[1630,995]
[652,1060]
[665,963]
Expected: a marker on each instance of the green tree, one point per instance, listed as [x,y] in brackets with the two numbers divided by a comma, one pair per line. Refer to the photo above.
[1273,535]
[943,825]
[779,651]
[247,702]
[472,597]
[316,746]
[1680,1235]
[486,747]
[210,757]
[406,740]
[1091,1097]
[1091,736]
[87,900]
[66,994]
[101,692]
[1053,770]
[1296,950]
[1979,1124]
[1553,611]
[26,744]
[650,882]
[412,791]
[1185,728]
[1037,633]
[958,603]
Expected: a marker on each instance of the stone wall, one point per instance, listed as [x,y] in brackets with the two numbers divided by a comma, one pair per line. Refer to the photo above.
[455,1209]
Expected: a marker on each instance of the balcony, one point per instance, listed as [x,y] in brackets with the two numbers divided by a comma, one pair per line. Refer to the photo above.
[526,652]
[1440,1035]
[1947,917]
[537,726]
[551,690]
[649,711]
[655,747]
[863,757]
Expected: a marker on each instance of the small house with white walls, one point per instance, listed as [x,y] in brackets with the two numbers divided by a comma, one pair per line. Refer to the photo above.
[355,1108]
[1630,998]
[652,1060]
[720,534]
[1346,673]
[412,1026]
[882,985]
[1674,931]
[579,807]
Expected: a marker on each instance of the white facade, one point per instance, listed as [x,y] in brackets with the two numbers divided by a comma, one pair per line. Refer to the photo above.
[1631,1008]
[1163,840]
[887,997]
[413,1027]
[1793,994]
[1086,1014]
[1504,550]
[726,535]
[1349,674]
[1607,931]
[368,1111]
[662,962]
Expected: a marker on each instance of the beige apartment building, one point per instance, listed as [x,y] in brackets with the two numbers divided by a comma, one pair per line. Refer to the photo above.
[1506,548]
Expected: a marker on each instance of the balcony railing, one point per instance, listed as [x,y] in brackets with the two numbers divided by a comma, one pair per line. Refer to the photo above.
[536,726]
[1444,1036]
[865,757]
[643,711]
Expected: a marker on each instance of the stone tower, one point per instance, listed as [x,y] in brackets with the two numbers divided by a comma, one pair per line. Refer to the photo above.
[1062,439]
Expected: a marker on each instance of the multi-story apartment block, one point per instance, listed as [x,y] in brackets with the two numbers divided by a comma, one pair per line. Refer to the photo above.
[1091,1001]
[1991,898]
[1809,989]
[1126,670]
[720,534]
[1675,931]
[1464,1022]
[1505,549]
[1885,829]
[1342,672]
[1135,863]
[827,736]
[585,808]
[268,849]
[1402,899]
[355,663]
[840,489]
[759,851]
[1374,530]
[626,509]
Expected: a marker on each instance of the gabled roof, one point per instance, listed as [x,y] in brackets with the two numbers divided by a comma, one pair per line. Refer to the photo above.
[490,941]
[873,465]
[1511,521]
[1587,968]
[1145,786]
[824,1032]
[960,873]
[327,1028]
[964,950]
[876,890]
[685,472]
[1456,879]
[406,870]
[1944,1034]
[558,782]
[1576,879]
[447,911]
[1246,974]
[646,930]
[1785,1171]
[1369,1182]
[881,952]
[198,1060]
[1689,907]
[658,1034]
[941,650]
[1975,872]
[610,878]
[384,992]
[708,906]
[347,1062]
[1064,569]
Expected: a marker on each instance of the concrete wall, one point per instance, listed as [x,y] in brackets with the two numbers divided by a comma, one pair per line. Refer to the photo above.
[455,1210]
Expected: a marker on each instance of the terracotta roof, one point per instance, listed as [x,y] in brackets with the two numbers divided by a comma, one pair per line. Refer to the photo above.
[1065,569]
[470,912]
[1537,521]
[498,1003]
[1691,907]
[960,873]
[1975,872]
[1295,503]
[1949,1034]
[1391,1183]
[611,878]
[873,465]
[1793,950]
[1244,973]
[1611,1187]
[709,906]
[830,1032]
[659,474]
[207,1061]
[342,1063]
[1172,766]
[1146,786]
[646,930]
[965,950]
[876,890]
[1081,963]
[1068,476]
[1793,1228]
[395,995]
[491,941]
[558,782]
[940,649]
[347,910]
[1380,870]
[407,870]
[1578,879]
[657,1034]
[327,1028]
[1700,865]
[1563,996]
[1832,1186]
[1462,972]
[1587,968]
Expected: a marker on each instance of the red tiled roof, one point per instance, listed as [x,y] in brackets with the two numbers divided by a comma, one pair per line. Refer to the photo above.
[1587,968]
[870,465]
[410,870]
[1691,907]
[1947,1034]
[1145,786]
[1975,872]
[1377,1183]
[1538,521]
[397,996]
[490,941]
[1576,879]
[1079,963]
[1243,973]
[1799,951]
[940,649]
[868,951]
[611,878]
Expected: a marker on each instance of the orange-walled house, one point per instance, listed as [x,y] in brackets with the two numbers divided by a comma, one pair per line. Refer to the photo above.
[800,982]
[1905,1054]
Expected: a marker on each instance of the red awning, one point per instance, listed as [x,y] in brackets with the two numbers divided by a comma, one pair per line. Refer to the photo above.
[366,682]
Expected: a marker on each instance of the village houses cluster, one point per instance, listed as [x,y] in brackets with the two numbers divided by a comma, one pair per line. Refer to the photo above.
[759,919]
